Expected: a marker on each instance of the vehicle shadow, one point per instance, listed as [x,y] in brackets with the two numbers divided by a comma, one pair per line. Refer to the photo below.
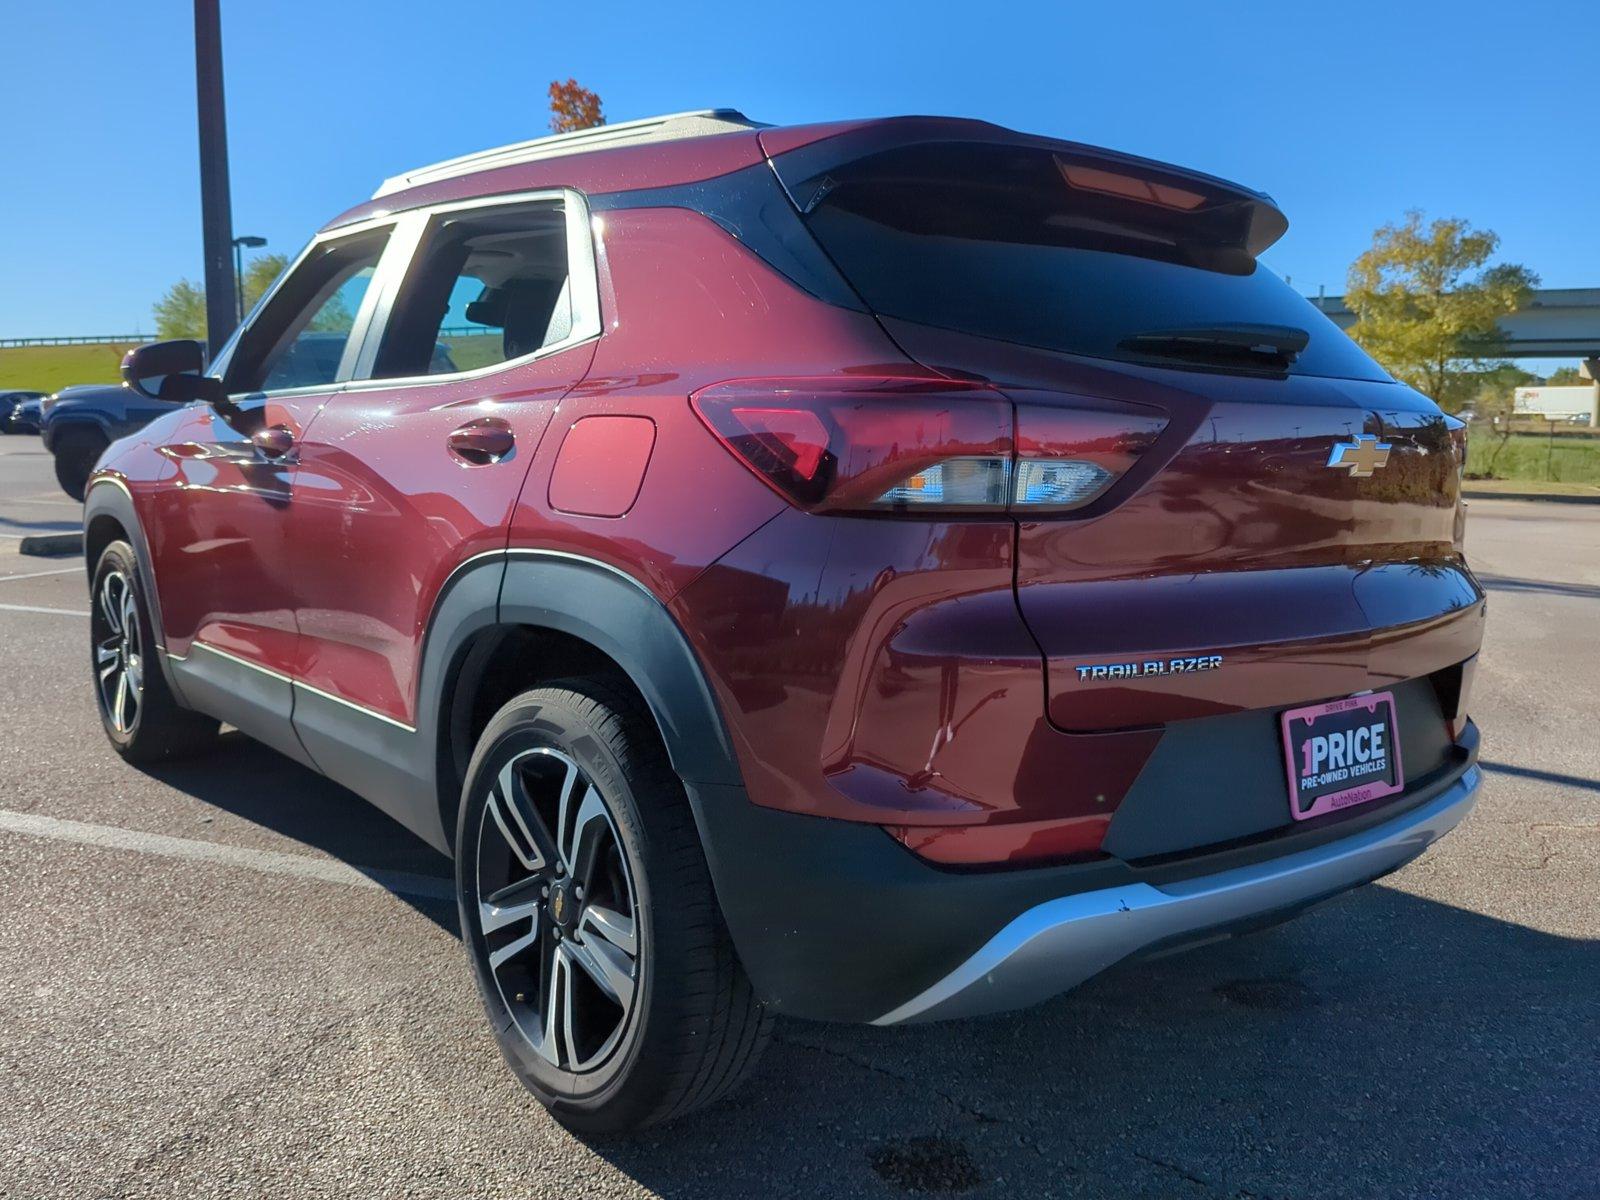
[298,803]
[1383,1045]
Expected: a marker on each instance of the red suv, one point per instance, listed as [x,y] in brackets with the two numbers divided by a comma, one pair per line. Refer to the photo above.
[880,571]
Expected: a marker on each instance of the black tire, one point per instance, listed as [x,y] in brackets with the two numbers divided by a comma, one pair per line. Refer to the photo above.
[138,711]
[76,452]
[690,1026]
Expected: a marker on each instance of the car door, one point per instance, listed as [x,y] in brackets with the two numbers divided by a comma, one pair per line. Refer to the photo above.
[415,466]
[219,534]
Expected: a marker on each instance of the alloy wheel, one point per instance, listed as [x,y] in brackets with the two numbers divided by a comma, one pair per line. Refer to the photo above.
[118,652]
[557,909]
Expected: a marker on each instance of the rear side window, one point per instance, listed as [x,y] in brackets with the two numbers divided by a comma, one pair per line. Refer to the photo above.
[486,287]
[1031,245]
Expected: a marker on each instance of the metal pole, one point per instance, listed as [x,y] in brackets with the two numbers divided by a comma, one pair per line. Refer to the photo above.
[238,281]
[216,205]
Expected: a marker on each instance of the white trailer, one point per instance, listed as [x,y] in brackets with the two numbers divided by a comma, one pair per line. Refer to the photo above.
[1579,404]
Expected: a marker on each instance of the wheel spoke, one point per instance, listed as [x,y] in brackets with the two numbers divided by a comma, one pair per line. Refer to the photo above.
[119,706]
[515,831]
[136,675]
[608,966]
[531,840]
[611,925]
[498,958]
[130,615]
[105,657]
[569,1037]
[510,905]
[582,837]
[557,1010]
[109,605]
[570,784]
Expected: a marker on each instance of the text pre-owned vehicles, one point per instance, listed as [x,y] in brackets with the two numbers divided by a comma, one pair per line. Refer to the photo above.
[880,571]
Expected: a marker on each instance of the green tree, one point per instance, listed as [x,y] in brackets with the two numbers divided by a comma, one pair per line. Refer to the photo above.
[181,311]
[260,273]
[1426,302]
[1565,377]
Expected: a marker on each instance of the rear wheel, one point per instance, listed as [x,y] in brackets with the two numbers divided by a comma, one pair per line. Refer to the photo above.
[76,452]
[587,908]
[137,709]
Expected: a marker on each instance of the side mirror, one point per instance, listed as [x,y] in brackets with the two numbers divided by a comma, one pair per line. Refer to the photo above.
[171,372]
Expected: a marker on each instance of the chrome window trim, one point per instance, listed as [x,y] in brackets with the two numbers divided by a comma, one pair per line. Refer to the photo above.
[219,367]
[197,644]
[413,226]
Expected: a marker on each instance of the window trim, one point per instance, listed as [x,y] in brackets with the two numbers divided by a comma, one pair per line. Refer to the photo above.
[407,230]
[219,366]
[408,243]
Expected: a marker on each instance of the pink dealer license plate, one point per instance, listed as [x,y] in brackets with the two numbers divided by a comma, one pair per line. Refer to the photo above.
[1341,753]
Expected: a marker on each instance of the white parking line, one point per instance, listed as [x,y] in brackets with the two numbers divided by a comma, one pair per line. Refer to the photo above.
[42,574]
[271,862]
[33,608]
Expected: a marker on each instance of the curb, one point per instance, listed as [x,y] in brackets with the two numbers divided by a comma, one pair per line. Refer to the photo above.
[52,545]
[1553,497]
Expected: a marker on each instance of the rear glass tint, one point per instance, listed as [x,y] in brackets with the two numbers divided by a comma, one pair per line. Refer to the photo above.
[1030,245]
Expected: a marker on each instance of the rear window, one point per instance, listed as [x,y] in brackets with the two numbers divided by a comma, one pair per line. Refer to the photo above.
[1031,245]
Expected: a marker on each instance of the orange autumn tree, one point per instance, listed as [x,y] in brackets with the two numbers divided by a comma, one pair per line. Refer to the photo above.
[573,106]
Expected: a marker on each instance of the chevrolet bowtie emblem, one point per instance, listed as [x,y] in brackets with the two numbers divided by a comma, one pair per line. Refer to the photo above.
[1361,457]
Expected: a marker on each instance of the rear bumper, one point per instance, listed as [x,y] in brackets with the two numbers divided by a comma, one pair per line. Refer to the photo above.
[1059,944]
[834,920]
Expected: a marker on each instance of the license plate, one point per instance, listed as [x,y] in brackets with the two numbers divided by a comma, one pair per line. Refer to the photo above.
[1341,753]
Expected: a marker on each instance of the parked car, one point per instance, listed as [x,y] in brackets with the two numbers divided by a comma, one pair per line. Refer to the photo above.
[880,571]
[25,414]
[8,405]
[79,422]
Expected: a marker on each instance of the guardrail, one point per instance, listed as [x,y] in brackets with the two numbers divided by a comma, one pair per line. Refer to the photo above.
[129,339]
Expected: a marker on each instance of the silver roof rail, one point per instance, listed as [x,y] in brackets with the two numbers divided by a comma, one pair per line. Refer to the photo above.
[698,123]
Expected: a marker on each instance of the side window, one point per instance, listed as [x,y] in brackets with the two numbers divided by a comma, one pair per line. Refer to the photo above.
[486,286]
[299,339]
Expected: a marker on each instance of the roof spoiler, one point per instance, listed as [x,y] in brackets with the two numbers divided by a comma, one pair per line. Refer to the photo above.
[1253,219]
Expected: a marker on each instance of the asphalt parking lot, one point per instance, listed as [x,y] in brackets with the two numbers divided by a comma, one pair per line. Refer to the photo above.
[231,978]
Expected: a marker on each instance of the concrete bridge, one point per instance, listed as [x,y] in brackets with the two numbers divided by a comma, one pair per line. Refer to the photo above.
[1557,323]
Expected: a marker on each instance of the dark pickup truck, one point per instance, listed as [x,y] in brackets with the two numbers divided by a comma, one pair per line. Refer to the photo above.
[81,421]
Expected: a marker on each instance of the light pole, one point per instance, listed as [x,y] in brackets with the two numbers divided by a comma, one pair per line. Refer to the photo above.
[240,244]
[216,208]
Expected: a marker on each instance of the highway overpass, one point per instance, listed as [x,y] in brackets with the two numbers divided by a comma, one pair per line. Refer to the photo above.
[1557,323]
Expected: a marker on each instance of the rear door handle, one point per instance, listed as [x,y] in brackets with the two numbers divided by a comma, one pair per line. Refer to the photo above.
[481,442]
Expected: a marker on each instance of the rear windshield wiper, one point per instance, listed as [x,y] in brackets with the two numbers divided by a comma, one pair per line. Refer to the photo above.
[1241,342]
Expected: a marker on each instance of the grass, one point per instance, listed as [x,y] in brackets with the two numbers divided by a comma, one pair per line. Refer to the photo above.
[1529,456]
[49,368]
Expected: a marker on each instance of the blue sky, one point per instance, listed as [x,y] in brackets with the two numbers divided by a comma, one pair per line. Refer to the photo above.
[1348,114]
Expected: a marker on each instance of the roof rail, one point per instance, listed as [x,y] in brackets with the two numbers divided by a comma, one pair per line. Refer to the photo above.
[697,123]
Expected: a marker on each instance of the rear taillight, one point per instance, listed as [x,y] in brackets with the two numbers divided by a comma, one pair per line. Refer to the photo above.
[1069,453]
[916,445]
